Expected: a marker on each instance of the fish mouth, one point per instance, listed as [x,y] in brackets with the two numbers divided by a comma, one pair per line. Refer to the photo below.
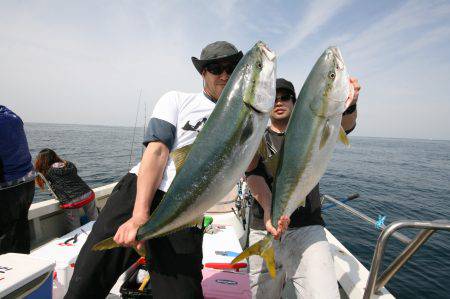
[270,55]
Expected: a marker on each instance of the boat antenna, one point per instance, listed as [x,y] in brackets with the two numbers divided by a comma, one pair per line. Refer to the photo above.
[134,130]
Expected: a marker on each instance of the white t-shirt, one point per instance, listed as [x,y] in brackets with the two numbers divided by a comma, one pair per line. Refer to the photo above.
[176,121]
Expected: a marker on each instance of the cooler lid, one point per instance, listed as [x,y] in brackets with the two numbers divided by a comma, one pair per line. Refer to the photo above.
[17,269]
[64,250]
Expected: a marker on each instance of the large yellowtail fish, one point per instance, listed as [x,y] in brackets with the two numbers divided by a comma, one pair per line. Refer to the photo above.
[311,135]
[209,168]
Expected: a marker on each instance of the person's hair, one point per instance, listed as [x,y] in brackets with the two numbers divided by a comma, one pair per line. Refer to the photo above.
[44,161]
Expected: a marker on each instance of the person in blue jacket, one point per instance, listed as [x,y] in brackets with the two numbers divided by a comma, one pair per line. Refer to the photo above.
[16,184]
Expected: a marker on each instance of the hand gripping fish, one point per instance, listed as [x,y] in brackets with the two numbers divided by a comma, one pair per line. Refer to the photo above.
[311,135]
[209,168]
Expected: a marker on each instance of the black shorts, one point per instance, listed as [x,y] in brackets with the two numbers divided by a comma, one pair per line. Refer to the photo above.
[175,261]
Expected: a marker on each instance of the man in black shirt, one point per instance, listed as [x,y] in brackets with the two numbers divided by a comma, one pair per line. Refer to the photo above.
[306,258]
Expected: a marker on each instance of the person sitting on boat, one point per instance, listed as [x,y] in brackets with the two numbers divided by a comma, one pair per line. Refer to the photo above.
[176,260]
[16,184]
[308,264]
[72,192]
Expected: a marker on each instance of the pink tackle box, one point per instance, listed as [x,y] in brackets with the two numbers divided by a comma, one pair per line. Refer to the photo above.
[223,284]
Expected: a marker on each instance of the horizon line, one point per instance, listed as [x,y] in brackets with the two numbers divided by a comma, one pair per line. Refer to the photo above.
[124,126]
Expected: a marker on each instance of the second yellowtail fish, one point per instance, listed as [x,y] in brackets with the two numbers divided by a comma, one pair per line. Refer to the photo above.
[311,135]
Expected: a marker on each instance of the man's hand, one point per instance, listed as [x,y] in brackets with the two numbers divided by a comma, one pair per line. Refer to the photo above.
[353,93]
[126,234]
[283,224]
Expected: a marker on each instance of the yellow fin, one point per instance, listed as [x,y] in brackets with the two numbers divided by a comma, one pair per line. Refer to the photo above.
[179,156]
[144,283]
[110,244]
[197,221]
[105,244]
[264,249]
[325,135]
[343,137]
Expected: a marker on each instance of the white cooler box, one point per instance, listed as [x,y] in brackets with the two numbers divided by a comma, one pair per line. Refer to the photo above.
[64,252]
[22,276]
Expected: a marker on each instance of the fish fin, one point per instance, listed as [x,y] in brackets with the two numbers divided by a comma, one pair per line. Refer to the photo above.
[179,156]
[110,244]
[343,137]
[197,222]
[325,135]
[105,245]
[264,249]
[144,283]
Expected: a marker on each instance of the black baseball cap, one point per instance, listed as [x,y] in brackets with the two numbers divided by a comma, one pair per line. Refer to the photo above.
[287,85]
[217,51]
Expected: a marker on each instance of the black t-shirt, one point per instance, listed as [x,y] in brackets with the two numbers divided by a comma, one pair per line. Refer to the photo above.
[310,214]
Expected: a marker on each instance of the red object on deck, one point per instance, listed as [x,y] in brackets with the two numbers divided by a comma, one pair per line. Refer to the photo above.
[222,266]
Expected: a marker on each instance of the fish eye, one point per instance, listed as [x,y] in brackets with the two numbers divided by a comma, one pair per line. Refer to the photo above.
[332,75]
[259,64]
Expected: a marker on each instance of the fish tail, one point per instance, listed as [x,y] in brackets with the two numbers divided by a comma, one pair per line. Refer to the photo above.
[343,137]
[110,244]
[105,244]
[263,248]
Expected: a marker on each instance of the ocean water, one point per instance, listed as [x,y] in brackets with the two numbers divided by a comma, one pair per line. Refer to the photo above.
[397,178]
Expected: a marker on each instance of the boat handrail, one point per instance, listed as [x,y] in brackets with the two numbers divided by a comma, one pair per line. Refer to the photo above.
[375,283]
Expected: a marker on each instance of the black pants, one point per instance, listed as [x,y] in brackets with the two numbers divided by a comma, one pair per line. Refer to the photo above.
[14,228]
[175,261]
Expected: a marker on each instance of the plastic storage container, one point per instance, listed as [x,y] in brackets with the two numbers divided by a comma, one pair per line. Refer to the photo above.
[24,276]
[221,284]
[64,252]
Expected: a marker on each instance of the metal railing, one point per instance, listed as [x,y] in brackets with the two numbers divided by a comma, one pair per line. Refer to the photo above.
[375,283]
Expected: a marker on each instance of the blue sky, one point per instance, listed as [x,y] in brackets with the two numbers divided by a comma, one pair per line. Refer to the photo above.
[86,61]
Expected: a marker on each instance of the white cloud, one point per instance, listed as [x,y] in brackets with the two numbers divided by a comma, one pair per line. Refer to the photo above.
[316,16]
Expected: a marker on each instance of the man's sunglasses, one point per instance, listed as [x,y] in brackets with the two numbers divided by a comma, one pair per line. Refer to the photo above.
[217,69]
[285,97]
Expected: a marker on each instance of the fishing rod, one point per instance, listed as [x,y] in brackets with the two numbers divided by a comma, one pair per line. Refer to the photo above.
[343,200]
[377,224]
[134,130]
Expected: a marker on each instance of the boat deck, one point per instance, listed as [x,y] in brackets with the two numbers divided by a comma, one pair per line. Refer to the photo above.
[46,218]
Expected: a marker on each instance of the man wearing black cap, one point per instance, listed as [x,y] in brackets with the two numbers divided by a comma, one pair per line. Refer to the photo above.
[304,257]
[176,260]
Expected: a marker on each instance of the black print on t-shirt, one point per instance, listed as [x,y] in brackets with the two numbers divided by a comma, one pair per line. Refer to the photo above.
[197,127]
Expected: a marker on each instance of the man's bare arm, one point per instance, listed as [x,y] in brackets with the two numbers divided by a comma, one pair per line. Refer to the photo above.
[149,178]
[263,195]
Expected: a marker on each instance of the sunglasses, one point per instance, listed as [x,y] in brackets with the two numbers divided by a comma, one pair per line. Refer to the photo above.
[217,69]
[285,97]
